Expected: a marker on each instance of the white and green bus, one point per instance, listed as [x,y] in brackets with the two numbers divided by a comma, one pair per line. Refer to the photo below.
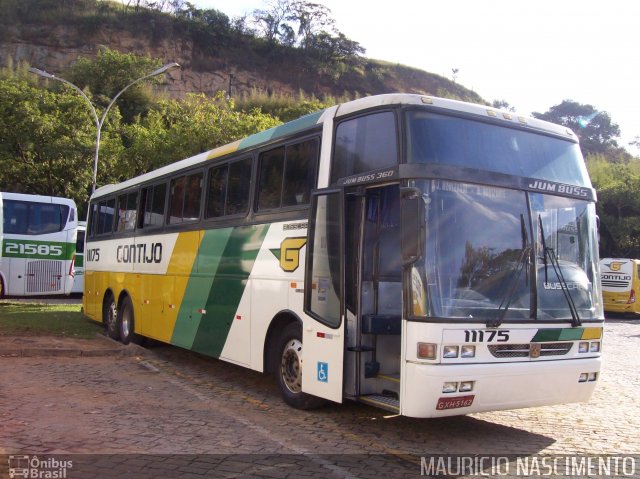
[39,244]
[426,256]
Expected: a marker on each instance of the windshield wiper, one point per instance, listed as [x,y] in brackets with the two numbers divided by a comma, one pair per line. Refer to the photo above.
[522,263]
[551,254]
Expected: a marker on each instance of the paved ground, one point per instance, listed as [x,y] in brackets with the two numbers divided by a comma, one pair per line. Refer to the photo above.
[226,421]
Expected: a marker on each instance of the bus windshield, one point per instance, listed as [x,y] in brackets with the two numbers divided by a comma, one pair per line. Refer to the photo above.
[449,140]
[483,255]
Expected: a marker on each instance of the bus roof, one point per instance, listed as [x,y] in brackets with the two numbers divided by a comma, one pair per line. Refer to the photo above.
[309,121]
[38,198]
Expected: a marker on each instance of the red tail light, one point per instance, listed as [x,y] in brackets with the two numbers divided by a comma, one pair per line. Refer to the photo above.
[632,297]
[72,268]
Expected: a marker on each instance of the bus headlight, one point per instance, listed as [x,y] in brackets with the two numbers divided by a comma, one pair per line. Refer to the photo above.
[594,347]
[450,351]
[450,387]
[468,351]
[466,386]
[583,347]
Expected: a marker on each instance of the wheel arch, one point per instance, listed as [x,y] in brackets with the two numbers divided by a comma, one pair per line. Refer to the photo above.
[278,323]
[124,293]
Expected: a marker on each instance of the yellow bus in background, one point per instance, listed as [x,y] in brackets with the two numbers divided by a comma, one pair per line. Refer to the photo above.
[620,279]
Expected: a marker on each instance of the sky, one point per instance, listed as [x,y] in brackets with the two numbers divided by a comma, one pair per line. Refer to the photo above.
[534,55]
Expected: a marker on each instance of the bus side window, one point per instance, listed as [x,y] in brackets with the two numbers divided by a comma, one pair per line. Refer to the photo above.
[217,192]
[142,205]
[127,209]
[106,211]
[154,205]
[271,170]
[93,213]
[192,196]
[300,172]
[238,187]
[15,217]
[363,144]
[185,198]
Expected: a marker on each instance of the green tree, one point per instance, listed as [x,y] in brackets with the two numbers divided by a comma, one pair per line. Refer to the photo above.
[109,72]
[178,129]
[618,205]
[47,140]
[595,128]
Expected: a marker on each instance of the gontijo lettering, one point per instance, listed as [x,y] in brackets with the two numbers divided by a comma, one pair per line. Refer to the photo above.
[139,253]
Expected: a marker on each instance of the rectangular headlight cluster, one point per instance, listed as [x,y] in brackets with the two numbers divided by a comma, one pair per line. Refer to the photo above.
[466,351]
[454,387]
[589,347]
[587,377]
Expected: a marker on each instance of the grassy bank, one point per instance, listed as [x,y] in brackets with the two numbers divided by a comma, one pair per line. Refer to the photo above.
[17,318]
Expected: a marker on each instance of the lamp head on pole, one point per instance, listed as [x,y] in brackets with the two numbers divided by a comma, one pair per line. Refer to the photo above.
[42,73]
[164,69]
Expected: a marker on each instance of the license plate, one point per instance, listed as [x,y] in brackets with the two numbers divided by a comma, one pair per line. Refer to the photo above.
[454,402]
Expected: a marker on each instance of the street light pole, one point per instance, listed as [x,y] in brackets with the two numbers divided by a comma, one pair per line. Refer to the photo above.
[100,122]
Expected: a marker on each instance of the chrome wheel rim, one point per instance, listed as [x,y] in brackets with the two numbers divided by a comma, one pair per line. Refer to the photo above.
[126,322]
[291,366]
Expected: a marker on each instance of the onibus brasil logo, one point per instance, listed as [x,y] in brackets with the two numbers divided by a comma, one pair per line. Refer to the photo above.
[36,468]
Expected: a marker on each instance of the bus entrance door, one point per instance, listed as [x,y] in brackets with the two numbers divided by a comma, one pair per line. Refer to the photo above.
[374,296]
[323,329]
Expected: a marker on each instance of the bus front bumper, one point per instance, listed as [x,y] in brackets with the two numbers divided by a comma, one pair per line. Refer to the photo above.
[496,386]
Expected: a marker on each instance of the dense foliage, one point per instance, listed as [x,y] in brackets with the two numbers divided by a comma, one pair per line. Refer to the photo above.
[47,133]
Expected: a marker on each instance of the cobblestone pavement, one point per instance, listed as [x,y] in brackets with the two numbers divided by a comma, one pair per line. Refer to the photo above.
[227,421]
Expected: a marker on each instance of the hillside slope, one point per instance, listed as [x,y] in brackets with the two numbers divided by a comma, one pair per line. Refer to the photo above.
[238,65]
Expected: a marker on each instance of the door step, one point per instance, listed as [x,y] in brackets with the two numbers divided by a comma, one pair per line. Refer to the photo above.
[389,377]
[383,402]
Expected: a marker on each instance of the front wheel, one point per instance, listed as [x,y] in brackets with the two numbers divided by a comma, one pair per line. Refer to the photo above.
[288,370]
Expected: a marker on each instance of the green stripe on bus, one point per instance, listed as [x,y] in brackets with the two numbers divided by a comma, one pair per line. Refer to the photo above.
[204,268]
[300,124]
[557,334]
[228,287]
[32,249]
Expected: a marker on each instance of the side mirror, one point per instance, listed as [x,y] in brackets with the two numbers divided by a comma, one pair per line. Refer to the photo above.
[413,225]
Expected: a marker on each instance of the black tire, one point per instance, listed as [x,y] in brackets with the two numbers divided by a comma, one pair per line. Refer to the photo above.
[288,369]
[126,323]
[110,317]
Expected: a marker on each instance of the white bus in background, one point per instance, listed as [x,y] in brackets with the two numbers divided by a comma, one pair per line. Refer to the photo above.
[78,283]
[39,244]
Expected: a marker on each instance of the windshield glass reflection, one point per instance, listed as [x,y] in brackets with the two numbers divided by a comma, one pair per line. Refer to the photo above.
[483,261]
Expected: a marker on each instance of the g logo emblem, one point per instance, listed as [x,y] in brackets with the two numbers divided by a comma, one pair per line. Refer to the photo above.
[289,253]
[615,265]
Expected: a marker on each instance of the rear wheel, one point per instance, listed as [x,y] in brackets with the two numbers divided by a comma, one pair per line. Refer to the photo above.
[110,317]
[288,369]
[126,321]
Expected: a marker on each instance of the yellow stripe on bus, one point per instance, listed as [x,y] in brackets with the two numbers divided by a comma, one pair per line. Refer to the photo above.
[224,150]
[180,267]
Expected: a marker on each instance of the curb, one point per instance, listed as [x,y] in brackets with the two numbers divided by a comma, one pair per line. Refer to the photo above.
[64,353]
[114,349]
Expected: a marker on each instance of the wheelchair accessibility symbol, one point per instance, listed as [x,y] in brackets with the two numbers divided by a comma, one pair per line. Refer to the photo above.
[323,372]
